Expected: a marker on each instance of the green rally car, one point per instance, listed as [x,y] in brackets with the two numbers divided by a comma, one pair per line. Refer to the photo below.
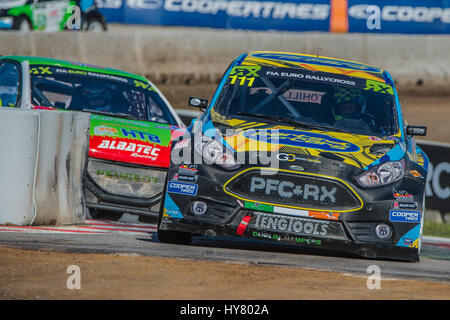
[131,130]
[50,16]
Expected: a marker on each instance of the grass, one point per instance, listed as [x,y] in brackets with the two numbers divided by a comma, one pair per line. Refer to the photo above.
[435,229]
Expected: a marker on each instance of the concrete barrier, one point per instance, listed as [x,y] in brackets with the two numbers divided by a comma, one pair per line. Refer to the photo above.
[44,155]
[189,55]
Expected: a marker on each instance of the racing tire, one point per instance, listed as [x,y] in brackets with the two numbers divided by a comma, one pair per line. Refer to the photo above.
[419,246]
[95,25]
[104,214]
[174,237]
[22,24]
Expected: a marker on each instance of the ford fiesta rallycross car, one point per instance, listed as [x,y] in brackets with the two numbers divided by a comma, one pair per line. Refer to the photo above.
[131,130]
[301,149]
[48,15]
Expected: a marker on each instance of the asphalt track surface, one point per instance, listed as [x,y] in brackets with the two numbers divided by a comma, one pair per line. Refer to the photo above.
[141,239]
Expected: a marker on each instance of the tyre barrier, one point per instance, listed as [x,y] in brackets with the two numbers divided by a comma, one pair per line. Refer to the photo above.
[42,165]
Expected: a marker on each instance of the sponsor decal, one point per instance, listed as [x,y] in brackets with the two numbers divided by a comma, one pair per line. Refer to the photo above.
[308,241]
[314,60]
[311,77]
[270,222]
[182,188]
[266,235]
[129,141]
[287,190]
[105,131]
[136,149]
[188,169]
[404,216]
[243,225]
[126,176]
[379,87]
[245,9]
[171,210]
[324,215]
[293,157]
[302,139]
[403,196]
[247,71]
[422,14]
[144,136]
[411,238]
[415,174]
[408,241]
[182,177]
[144,4]
[405,205]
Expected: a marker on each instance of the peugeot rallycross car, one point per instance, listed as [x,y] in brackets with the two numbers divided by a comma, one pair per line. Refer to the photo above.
[49,15]
[131,130]
[301,149]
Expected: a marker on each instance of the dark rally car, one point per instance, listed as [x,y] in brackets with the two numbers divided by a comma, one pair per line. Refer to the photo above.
[300,149]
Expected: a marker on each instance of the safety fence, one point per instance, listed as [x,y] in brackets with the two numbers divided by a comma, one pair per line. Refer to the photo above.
[382,16]
[44,154]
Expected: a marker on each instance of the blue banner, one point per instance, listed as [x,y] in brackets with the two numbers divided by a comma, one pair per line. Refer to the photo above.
[382,16]
[399,16]
[225,14]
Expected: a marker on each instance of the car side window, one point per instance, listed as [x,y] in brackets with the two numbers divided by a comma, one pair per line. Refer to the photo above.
[9,84]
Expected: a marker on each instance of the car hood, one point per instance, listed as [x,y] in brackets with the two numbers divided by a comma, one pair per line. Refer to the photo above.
[131,141]
[361,151]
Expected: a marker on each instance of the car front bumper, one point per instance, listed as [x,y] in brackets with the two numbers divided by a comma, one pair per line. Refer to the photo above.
[353,231]
[120,187]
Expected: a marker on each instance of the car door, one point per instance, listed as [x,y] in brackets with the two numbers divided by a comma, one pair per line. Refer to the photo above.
[48,15]
[10,84]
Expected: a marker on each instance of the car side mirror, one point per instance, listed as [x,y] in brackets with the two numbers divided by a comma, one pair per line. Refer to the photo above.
[198,102]
[416,130]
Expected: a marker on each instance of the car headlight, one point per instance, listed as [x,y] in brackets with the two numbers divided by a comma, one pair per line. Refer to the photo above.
[213,152]
[382,174]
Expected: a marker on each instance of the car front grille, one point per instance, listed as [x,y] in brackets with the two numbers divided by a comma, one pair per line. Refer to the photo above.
[294,189]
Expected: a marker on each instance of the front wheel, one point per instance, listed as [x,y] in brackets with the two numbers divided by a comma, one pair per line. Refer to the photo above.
[174,237]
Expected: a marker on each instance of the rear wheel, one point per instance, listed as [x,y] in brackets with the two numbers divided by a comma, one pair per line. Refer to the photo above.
[104,214]
[22,24]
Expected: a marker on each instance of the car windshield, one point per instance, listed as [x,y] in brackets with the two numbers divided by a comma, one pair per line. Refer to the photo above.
[310,99]
[78,90]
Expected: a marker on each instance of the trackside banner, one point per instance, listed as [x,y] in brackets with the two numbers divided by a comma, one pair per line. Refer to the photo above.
[225,14]
[438,178]
[382,16]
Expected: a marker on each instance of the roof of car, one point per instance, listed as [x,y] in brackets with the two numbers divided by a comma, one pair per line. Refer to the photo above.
[75,65]
[314,63]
